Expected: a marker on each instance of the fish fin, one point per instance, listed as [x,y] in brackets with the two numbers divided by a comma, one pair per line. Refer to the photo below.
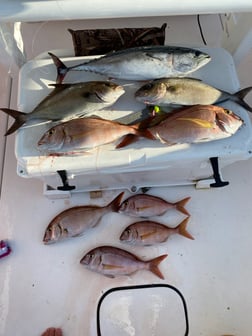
[115,204]
[62,69]
[199,122]
[127,140]
[131,138]
[180,206]
[20,119]
[153,265]
[239,98]
[182,229]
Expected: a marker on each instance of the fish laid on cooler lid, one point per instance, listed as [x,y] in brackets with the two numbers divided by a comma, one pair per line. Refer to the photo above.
[140,63]
[68,101]
[187,91]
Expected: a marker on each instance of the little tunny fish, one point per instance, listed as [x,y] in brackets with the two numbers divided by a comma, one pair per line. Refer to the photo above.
[84,134]
[140,63]
[75,221]
[199,123]
[187,91]
[111,262]
[148,233]
[144,205]
[69,101]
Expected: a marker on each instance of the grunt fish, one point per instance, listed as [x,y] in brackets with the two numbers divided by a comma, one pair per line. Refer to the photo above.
[111,262]
[148,233]
[187,91]
[75,221]
[69,101]
[143,205]
[199,123]
[85,134]
[140,63]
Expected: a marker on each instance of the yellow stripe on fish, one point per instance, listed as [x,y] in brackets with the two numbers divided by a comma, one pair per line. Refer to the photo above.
[111,267]
[200,122]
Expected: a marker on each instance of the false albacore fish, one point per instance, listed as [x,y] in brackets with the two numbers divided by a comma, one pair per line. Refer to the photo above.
[140,63]
[69,101]
[77,220]
[111,262]
[84,134]
[146,233]
[187,91]
[144,205]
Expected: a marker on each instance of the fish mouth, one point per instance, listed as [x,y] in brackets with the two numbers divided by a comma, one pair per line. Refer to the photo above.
[225,127]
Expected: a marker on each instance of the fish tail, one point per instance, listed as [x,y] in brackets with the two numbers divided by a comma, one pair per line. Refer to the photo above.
[131,138]
[153,265]
[20,119]
[127,140]
[180,206]
[115,204]
[239,98]
[182,229]
[62,69]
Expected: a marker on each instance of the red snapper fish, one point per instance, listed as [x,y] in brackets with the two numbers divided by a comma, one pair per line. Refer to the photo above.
[77,220]
[198,123]
[112,262]
[143,205]
[86,133]
[147,233]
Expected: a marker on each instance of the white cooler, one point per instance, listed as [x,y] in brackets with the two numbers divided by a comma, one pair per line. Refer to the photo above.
[145,163]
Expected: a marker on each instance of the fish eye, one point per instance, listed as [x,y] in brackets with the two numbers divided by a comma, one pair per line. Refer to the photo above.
[147,86]
[228,111]
[197,53]
[49,229]
[51,131]
[65,231]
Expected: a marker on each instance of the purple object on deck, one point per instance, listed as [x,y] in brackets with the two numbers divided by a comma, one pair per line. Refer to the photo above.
[4,249]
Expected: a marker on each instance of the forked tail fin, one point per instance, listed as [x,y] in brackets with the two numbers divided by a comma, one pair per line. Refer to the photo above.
[180,206]
[62,69]
[239,98]
[153,265]
[115,204]
[20,119]
[140,131]
[182,229]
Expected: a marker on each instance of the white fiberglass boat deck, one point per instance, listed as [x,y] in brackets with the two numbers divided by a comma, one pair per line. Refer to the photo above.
[207,285]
